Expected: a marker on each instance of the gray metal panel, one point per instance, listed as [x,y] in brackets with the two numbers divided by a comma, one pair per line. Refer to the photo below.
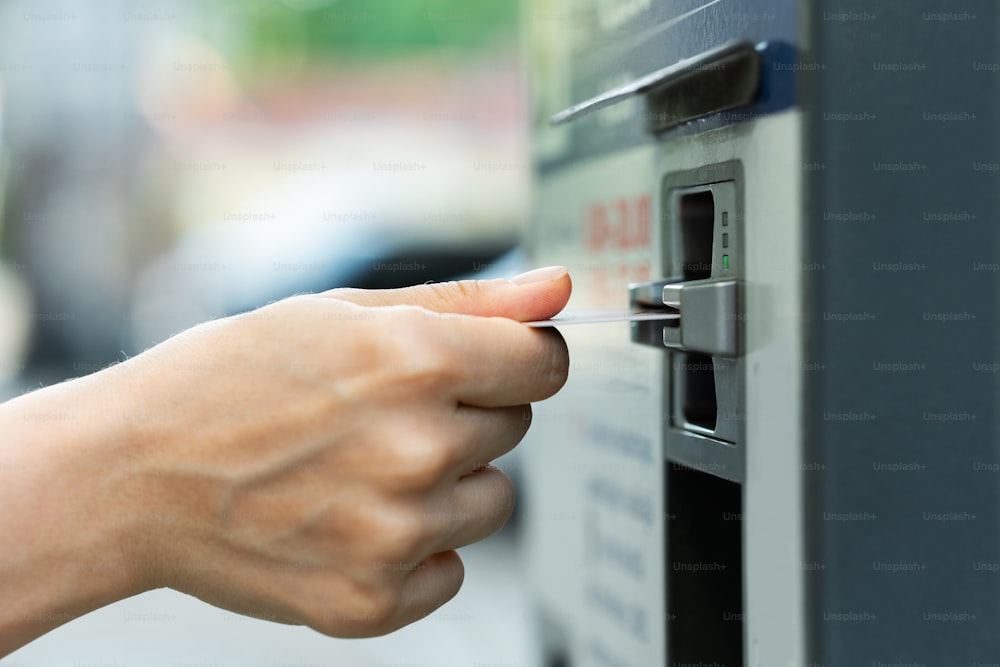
[901,437]
[612,43]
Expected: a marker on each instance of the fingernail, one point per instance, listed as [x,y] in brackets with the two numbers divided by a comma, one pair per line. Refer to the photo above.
[539,275]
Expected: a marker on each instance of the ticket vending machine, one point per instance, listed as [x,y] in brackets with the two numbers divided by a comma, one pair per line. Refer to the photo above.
[801,468]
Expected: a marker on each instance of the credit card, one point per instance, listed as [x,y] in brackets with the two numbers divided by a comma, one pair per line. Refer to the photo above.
[599,316]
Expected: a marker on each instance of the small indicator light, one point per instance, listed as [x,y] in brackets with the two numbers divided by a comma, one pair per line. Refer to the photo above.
[725,218]
[725,262]
[725,239]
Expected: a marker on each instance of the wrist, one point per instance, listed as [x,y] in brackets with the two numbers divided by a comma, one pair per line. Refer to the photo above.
[67,521]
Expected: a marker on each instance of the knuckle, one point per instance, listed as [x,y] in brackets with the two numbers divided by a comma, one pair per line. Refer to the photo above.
[363,612]
[379,608]
[399,535]
[417,463]
[430,464]
[433,365]
[299,305]
[421,361]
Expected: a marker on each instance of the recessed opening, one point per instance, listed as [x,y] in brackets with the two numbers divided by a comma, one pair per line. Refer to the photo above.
[705,576]
[697,213]
[698,398]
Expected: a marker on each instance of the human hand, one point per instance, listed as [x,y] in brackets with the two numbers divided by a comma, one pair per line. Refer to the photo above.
[318,460]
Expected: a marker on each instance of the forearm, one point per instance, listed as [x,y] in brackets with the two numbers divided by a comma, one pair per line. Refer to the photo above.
[64,547]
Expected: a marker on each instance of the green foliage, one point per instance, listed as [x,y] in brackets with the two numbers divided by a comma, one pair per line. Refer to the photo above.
[318,29]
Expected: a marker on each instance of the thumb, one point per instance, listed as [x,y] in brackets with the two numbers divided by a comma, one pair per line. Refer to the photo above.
[535,295]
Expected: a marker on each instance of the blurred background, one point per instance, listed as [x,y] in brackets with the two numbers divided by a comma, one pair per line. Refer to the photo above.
[169,162]
[164,163]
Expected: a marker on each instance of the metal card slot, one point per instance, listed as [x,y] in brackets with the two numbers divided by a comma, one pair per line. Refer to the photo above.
[708,315]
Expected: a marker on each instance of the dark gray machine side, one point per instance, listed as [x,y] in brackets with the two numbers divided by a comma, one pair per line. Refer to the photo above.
[902,245]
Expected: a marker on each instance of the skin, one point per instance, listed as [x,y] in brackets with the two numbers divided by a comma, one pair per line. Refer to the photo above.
[315,462]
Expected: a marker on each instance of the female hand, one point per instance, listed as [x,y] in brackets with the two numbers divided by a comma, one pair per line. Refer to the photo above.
[316,461]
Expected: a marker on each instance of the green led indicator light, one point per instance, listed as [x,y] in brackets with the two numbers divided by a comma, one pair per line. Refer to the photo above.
[725,262]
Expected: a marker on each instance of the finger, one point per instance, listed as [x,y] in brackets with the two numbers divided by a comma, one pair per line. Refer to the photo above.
[479,505]
[536,295]
[436,581]
[503,363]
[487,434]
